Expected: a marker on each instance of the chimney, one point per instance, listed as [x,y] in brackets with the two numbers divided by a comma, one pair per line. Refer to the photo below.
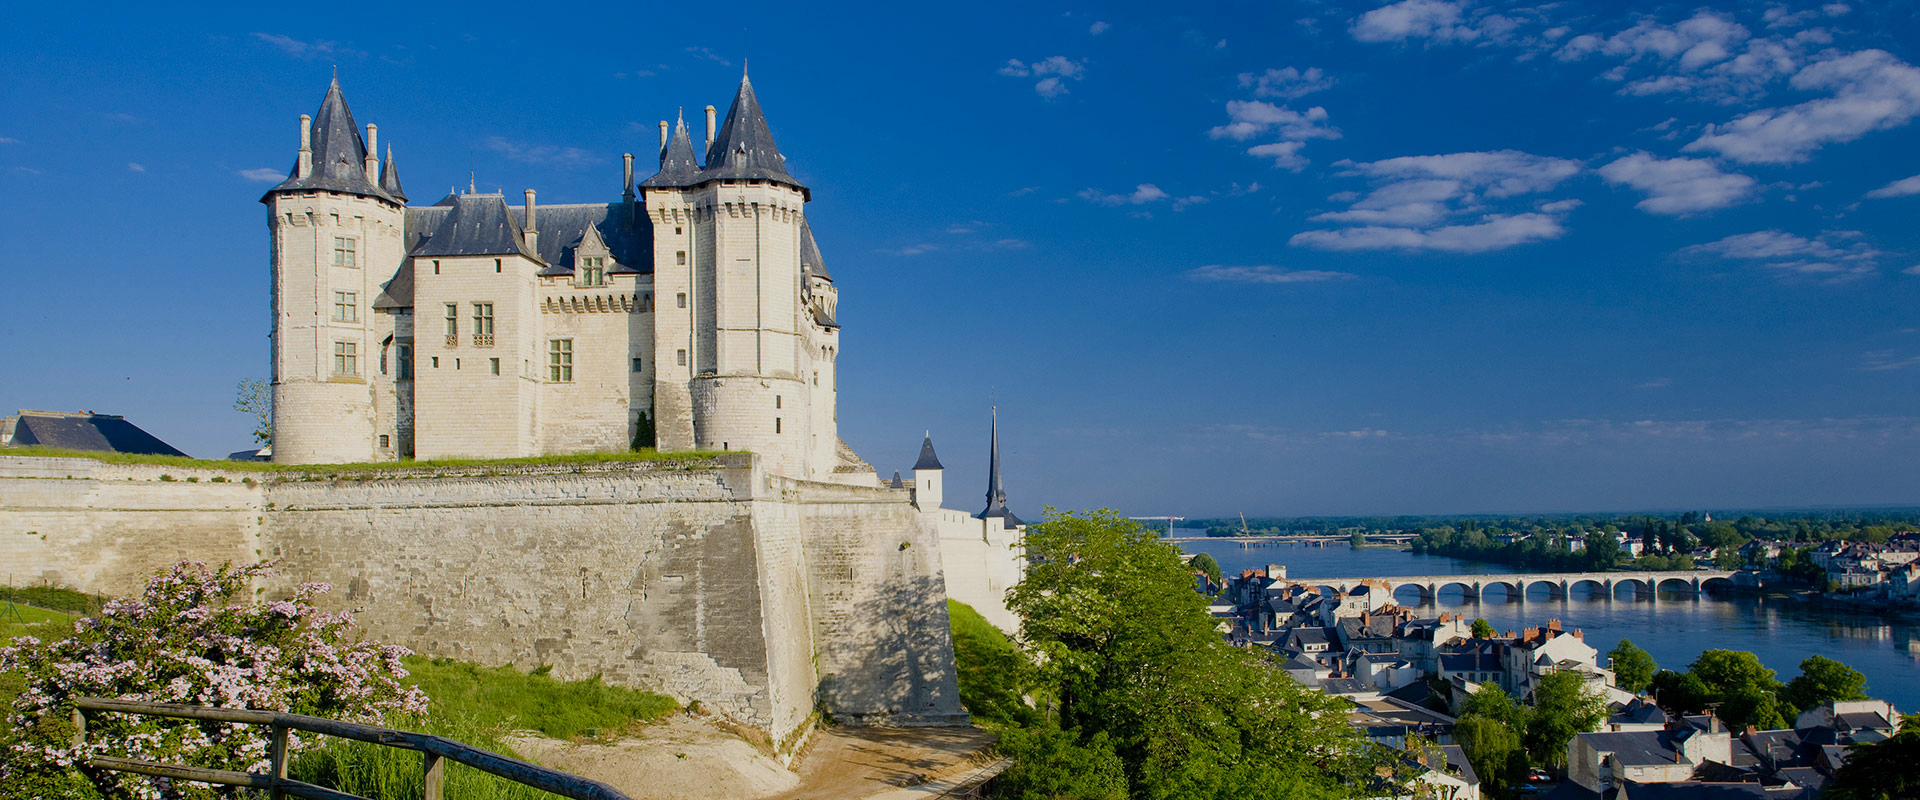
[626,161]
[663,138]
[373,154]
[712,129]
[532,232]
[1553,625]
[306,145]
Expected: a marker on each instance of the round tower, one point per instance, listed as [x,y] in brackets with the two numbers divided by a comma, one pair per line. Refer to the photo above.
[336,238]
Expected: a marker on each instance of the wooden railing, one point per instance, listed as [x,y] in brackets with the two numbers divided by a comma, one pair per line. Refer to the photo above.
[435,752]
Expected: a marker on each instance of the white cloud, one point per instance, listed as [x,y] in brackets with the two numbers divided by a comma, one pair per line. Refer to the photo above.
[705,54]
[1872,90]
[1899,188]
[1263,273]
[1884,360]
[1141,195]
[1833,256]
[1098,28]
[8,140]
[1252,118]
[1053,72]
[911,250]
[1285,155]
[1023,191]
[263,174]
[133,167]
[1501,173]
[305,50]
[541,154]
[1493,232]
[1409,203]
[1678,186]
[1913,270]
[1409,19]
[1288,83]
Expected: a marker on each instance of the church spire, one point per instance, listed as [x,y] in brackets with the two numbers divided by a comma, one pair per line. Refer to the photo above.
[997,496]
[744,148]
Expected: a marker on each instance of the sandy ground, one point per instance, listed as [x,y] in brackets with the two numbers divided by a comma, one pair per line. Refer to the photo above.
[687,757]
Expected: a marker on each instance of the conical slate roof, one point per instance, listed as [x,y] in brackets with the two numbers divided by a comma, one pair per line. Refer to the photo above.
[810,252]
[997,497]
[390,178]
[897,483]
[744,148]
[339,154]
[927,459]
[677,164]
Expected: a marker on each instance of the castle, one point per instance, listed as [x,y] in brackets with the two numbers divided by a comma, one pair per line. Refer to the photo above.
[693,313]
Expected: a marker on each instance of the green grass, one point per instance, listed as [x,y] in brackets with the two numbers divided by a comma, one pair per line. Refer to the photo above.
[53,598]
[993,673]
[22,620]
[479,706]
[621,456]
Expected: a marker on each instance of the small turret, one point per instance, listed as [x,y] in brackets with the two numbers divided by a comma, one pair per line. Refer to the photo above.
[390,178]
[928,477]
[333,157]
[744,148]
[677,165]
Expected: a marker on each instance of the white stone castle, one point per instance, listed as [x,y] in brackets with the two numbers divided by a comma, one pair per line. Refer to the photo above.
[693,313]
[696,308]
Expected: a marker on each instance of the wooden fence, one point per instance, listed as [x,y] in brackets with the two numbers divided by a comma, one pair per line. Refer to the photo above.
[435,752]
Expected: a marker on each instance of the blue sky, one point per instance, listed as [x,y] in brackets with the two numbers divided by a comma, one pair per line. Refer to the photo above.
[1287,258]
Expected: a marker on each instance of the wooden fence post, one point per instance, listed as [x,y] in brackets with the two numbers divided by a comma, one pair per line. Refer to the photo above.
[436,774]
[79,728]
[277,751]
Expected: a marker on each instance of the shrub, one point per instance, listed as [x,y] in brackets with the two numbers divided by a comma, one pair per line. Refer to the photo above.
[193,636]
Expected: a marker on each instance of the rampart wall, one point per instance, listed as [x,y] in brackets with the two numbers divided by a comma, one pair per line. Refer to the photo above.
[762,597]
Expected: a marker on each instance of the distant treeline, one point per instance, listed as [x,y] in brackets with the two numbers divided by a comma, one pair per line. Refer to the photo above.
[1725,528]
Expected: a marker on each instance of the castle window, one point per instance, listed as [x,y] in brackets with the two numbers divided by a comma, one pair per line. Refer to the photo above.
[343,250]
[346,359]
[776,424]
[593,271]
[682,356]
[636,365]
[681,299]
[776,401]
[345,309]
[680,258]
[403,361]
[676,230]
[483,319]
[494,365]
[560,360]
[453,322]
[436,266]
[385,442]
[496,265]
[436,362]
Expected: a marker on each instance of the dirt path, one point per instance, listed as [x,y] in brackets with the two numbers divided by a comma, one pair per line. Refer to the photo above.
[858,762]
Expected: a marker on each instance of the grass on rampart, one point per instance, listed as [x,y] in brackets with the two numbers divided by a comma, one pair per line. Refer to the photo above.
[993,673]
[480,706]
[618,456]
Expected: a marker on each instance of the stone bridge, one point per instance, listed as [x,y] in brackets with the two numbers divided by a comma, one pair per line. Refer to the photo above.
[1645,584]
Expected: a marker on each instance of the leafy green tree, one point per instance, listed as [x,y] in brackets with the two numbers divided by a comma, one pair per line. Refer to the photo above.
[1603,551]
[1746,690]
[1051,763]
[1562,706]
[1206,564]
[1889,770]
[1493,702]
[1823,680]
[1679,693]
[1482,629]
[1494,750]
[1633,667]
[254,397]
[1185,713]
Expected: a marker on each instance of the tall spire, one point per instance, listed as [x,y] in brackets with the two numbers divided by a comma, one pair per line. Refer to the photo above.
[996,496]
[339,154]
[677,164]
[744,148]
[390,178]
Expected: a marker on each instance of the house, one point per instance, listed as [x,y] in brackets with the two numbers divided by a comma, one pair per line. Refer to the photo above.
[1600,762]
[1852,717]
[1638,715]
[1444,774]
[81,430]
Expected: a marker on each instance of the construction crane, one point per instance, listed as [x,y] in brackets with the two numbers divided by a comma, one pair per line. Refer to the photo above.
[1168,520]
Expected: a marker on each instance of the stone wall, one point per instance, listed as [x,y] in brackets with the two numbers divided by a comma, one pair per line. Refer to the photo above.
[762,597]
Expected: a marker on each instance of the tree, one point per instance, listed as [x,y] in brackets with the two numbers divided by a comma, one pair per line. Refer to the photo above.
[1206,564]
[1632,667]
[1051,763]
[1185,713]
[1823,680]
[1603,551]
[1357,539]
[1493,748]
[255,397]
[1678,693]
[1746,690]
[1493,702]
[1562,706]
[1888,770]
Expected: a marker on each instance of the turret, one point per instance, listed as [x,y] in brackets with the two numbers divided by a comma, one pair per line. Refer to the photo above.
[928,476]
[337,238]
[997,496]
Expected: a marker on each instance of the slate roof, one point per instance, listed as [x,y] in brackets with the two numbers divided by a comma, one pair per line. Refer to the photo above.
[1343,686]
[1639,712]
[105,433]
[1457,763]
[1470,662]
[1690,790]
[927,458]
[486,225]
[390,178]
[339,154]
[1636,748]
[744,148]
[677,164]
[996,497]
[476,225]
[896,484]
[810,252]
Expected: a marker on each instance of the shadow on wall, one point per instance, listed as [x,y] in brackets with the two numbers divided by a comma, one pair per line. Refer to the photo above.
[900,661]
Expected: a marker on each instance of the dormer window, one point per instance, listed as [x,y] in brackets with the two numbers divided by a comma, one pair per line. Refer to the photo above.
[593,270]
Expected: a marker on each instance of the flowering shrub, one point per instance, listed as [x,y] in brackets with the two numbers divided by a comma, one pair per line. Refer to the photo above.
[193,636]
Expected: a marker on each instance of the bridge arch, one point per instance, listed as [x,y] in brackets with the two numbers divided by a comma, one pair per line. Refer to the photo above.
[1676,584]
[1471,590]
[1717,583]
[1556,590]
[1594,586]
[1641,588]
[1421,593]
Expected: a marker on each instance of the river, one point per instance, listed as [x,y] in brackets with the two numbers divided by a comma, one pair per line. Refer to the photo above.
[1674,629]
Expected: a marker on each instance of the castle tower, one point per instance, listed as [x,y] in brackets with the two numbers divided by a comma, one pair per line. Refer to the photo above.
[735,335]
[996,496]
[336,235]
[928,477]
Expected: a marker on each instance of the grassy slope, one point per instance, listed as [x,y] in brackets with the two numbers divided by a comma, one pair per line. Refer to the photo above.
[993,672]
[265,466]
